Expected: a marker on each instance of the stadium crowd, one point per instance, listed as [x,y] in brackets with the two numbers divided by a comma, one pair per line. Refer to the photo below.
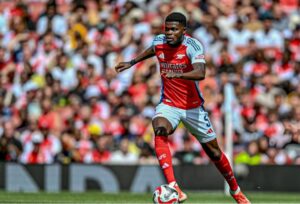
[61,100]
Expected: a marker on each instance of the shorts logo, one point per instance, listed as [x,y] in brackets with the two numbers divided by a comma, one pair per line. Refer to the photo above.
[180,56]
[209,131]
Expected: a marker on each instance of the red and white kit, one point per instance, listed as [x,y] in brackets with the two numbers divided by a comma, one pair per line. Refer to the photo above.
[181,99]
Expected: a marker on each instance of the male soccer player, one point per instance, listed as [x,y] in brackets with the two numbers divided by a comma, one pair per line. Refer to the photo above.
[182,65]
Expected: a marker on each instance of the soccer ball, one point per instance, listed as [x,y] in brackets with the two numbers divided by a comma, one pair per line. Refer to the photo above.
[165,194]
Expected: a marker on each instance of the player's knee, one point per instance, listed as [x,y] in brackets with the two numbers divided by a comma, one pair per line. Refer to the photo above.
[161,131]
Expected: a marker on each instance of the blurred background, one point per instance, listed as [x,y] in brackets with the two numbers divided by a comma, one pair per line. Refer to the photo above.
[62,102]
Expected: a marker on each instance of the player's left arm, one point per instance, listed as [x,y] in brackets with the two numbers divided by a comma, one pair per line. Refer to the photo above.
[198,73]
[195,53]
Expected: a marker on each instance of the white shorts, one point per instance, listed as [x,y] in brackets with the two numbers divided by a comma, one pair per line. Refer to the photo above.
[196,120]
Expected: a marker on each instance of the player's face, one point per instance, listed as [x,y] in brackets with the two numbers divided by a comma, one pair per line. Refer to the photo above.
[174,32]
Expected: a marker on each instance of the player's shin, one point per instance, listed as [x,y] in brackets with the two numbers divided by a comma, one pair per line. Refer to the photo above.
[164,157]
[225,169]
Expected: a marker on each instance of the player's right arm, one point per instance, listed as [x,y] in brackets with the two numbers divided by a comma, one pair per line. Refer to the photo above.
[144,55]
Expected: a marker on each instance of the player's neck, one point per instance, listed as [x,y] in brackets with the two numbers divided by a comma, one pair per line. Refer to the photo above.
[178,43]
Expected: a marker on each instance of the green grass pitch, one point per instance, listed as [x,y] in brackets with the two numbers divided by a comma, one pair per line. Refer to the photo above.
[97,197]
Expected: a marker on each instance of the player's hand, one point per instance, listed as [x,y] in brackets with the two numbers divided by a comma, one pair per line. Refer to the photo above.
[122,66]
[173,75]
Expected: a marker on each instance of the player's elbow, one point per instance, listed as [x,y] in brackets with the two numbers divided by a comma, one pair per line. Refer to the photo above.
[201,73]
[201,77]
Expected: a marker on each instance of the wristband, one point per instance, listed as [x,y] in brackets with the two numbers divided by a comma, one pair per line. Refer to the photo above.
[132,62]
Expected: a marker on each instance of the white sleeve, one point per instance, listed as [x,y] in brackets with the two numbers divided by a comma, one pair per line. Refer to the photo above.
[195,51]
[159,39]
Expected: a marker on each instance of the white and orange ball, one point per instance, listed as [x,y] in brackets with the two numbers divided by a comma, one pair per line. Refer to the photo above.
[165,194]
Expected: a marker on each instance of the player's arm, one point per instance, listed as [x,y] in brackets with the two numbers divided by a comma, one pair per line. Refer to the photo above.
[144,55]
[198,73]
[195,53]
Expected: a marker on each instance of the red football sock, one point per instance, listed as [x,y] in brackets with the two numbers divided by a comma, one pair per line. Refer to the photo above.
[225,169]
[164,157]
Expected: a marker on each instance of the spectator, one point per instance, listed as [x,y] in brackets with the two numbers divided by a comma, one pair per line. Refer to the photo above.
[238,37]
[37,155]
[251,156]
[99,154]
[52,21]
[267,96]
[10,147]
[123,155]
[188,155]
[65,75]
[147,154]
[69,152]
[60,99]
[268,37]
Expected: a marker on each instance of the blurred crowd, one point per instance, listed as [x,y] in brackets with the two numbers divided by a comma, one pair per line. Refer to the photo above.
[61,100]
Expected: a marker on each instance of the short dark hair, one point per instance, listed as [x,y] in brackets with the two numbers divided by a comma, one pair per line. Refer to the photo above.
[177,17]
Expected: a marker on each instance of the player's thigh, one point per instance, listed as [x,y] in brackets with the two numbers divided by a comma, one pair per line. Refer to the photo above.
[198,123]
[161,122]
[167,117]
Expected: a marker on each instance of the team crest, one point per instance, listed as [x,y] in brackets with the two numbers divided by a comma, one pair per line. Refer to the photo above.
[180,56]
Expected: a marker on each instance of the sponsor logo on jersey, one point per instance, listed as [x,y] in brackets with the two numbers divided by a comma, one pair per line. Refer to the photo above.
[173,66]
[180,56]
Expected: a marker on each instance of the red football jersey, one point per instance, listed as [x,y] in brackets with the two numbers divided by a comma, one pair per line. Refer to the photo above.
[180,93]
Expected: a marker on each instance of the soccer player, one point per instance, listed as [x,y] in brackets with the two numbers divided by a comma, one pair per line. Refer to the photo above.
[182,66]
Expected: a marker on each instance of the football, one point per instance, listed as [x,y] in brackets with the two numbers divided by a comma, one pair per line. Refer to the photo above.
[165,194]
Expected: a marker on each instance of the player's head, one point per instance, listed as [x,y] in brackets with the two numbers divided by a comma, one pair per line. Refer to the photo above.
[175,27]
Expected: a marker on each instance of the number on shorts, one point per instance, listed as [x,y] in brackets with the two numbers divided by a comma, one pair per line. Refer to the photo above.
[207,121]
